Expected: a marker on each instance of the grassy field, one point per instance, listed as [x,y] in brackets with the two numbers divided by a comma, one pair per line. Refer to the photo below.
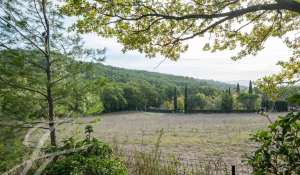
[194,136]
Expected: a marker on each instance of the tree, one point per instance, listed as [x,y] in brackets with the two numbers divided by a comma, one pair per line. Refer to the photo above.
[266,103]
[197,101]
[294,99]
[162,27]
[281,106]
[248,100]
[289,76]
[186,100]
[175,100]
[36,26]
[113,98]
[238,91]
[250,91]
[180,102]
[150,96]
[227,102]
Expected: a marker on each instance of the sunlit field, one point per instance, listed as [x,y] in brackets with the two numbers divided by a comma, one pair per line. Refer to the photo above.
[193,136]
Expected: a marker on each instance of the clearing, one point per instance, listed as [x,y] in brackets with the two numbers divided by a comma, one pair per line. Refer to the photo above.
[191,137]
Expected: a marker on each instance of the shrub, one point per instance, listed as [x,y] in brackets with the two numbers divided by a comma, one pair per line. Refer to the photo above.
[90,157]
[279,147]
[281,106]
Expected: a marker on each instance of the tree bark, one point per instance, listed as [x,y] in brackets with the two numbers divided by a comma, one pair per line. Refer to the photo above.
[49,76]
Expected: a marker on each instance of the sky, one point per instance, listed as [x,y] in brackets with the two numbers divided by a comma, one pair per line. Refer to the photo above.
[196,62]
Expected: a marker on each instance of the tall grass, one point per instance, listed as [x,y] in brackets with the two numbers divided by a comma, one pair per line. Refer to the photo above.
[154,163]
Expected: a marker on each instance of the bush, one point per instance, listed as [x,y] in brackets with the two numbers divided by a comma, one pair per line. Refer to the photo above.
[279,147]
[281,106]
[90,157]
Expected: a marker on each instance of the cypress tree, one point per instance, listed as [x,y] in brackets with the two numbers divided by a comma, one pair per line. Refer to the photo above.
[185,99]
[250,87]
[229,91]
[175,100]
[238,90]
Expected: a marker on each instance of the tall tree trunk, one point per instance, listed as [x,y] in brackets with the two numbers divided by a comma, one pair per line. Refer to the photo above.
[49,76]
[50,105]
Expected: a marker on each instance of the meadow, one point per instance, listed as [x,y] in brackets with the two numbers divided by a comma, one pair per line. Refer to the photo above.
[190,137]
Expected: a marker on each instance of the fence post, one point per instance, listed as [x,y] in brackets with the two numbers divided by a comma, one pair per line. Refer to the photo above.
[232,170]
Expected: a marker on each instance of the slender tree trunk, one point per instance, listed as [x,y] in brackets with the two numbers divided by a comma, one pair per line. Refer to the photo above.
[50,105]
[49,76]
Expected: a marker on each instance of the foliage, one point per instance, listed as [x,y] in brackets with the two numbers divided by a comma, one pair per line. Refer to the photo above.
[289,75]
[227,102]
[175,100]
[44,71]
[163,27]
[168,105]
[238,90]
[91,157]
[250,91]
[113,98]
[142,89]
[166,82]
[186,100]
[12,149]
[248,100]
[278,151]
[180,103]
[198,101]
[281,106]
[267,104]
[294,99]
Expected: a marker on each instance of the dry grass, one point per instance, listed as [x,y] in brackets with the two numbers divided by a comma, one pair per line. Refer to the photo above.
[194,136]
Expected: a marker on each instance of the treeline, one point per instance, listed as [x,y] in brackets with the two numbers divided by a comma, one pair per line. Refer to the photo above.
[90,88]
[94,88]
[141,90]
[232,100]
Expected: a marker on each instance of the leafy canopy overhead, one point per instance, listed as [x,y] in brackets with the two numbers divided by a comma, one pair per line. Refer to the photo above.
[162,26]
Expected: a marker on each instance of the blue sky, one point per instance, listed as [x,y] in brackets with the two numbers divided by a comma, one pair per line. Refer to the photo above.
[195,62]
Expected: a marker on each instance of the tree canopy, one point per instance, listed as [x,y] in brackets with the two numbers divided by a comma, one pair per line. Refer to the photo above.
[162,27]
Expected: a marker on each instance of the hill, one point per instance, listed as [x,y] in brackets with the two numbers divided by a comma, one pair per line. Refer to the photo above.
[127,75]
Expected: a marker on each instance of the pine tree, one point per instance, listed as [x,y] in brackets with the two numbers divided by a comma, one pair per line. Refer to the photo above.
[38,27]
[238,90]
[250,87]
[185,99]
[175,100]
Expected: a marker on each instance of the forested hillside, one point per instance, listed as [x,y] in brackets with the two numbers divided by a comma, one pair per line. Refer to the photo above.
[125,75]
[137,90]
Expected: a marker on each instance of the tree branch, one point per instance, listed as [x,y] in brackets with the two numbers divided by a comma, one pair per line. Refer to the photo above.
[16,86]
[232,14]
[25,37]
